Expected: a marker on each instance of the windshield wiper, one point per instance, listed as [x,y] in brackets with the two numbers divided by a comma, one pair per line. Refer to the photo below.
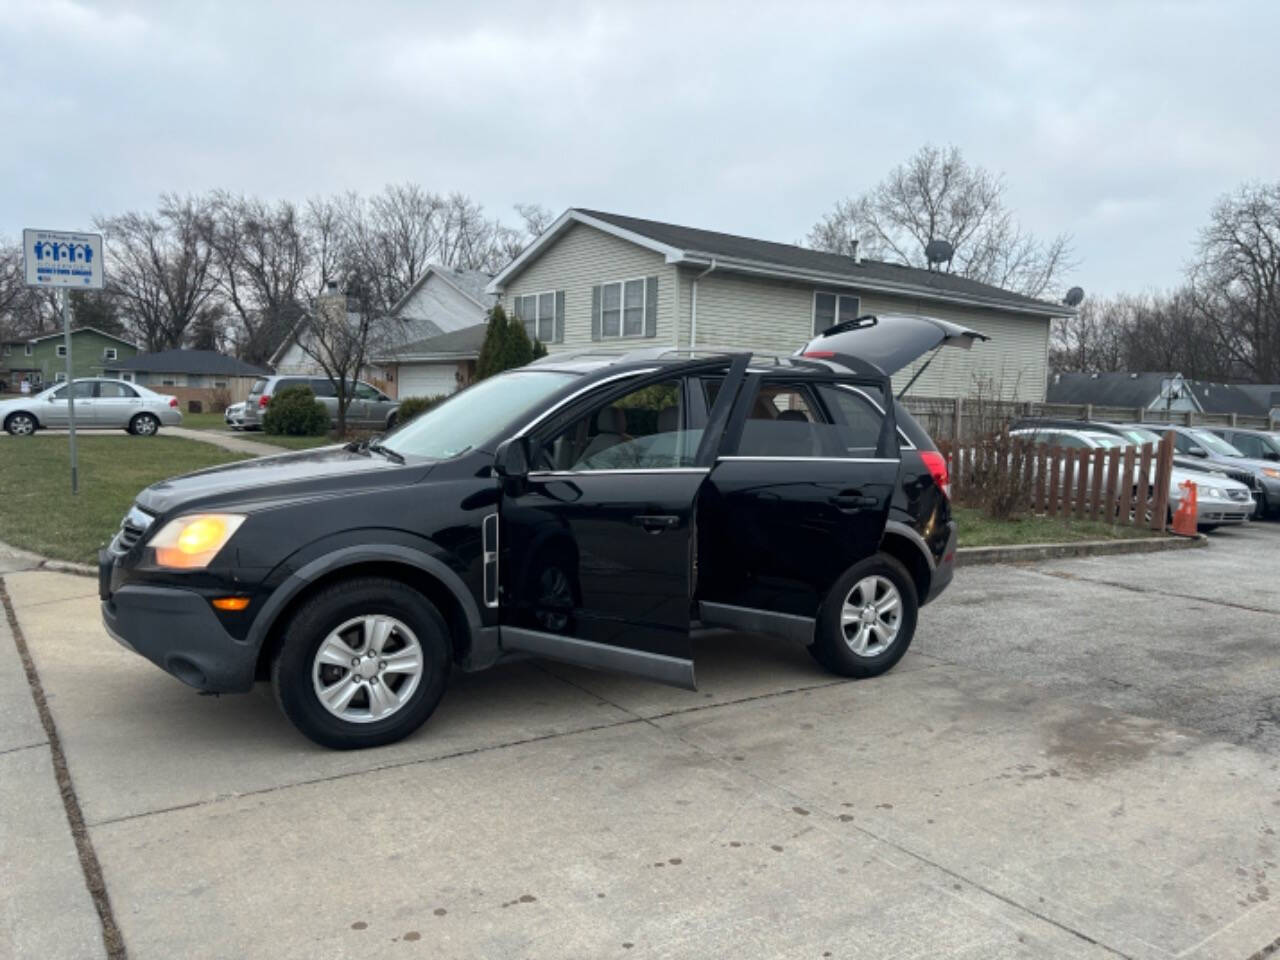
[385,451]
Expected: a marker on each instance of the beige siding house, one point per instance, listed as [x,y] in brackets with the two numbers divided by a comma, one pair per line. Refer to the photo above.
[602,280]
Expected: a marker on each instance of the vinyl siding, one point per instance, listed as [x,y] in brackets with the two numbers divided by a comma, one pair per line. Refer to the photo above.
[737,311]
[582,258]
[435,308]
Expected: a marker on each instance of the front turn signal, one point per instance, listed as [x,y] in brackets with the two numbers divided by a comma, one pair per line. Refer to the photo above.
[230,604]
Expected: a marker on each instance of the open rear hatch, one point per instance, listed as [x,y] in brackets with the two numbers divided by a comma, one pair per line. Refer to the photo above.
[888,343]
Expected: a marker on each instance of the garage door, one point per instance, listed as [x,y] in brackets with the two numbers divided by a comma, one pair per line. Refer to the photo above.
[427,379]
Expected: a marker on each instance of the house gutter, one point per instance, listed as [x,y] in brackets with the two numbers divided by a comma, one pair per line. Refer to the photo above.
[693,307]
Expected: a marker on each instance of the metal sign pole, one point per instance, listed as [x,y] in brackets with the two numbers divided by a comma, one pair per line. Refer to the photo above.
[71,390]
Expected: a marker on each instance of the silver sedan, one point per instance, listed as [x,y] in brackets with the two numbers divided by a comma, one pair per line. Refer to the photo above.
[99,402]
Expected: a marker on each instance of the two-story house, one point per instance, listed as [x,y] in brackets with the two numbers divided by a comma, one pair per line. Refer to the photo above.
[43,360]
[607,281]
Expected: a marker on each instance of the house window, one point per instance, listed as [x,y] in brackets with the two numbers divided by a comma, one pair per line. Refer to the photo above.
[538,314]
[219,384]
[127,376]
[622,308]
[61,349]
[60,376]
[168,382]
[26,349]
[8,350]
[832,308]
[109,353]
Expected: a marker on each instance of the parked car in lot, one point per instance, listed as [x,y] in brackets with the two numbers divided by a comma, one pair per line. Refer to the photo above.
[1206,446]
[1254,444]
[234,416]
[585,508]
[1220,501]
[99,402]
[370,408]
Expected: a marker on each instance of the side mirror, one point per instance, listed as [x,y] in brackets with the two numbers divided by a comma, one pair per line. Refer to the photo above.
[512,458]
[1198,451]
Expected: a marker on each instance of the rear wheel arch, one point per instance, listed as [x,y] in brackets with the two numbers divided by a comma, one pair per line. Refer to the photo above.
[908,548]
[421,574]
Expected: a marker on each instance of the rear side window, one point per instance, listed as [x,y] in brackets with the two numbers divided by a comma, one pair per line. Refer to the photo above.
[320,386]
[115,391]
[857,418]
[787,421]
[259,386]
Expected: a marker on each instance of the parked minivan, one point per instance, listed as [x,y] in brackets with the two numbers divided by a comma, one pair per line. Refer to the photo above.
[370,407]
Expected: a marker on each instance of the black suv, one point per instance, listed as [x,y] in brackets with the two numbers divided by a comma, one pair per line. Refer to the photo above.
[591,509]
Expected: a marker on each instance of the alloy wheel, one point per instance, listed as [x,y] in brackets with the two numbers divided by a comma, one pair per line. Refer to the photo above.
[145,425]
[21,425]
[871,616]
[367,669]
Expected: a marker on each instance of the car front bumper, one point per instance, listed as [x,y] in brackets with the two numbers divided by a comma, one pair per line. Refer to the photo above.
[176,630]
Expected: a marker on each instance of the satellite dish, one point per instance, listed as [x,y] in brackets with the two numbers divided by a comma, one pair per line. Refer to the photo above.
[939,251]
[1073,297]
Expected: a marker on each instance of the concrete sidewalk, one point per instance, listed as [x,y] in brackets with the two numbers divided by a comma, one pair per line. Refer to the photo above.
[228,441]
[945,809]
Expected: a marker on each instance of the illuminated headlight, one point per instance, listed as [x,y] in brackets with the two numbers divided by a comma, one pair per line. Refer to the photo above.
[191,542]
[1270,472]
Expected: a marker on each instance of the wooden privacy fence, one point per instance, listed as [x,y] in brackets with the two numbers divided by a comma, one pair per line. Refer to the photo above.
[1123,485]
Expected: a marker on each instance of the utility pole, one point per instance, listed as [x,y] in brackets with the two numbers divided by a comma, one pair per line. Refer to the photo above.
[71,391]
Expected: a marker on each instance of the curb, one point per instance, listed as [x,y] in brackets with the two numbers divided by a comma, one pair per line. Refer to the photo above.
[38,562]
[1031,552]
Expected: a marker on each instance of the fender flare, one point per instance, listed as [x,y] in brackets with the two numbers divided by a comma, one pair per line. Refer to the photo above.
[898,528]
[303,577]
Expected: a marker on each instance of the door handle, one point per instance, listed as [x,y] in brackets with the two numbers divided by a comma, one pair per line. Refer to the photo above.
[852,501]
[655,524]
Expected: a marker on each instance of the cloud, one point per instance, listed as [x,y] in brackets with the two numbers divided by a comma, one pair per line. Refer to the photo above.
[1117,123]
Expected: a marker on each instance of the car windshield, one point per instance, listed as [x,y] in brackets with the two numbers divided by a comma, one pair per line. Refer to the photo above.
[1105,440]
[475,414]
[1141,435]
[1215,444]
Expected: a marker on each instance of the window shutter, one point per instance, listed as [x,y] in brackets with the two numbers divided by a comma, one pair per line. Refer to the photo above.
[595,312]
[651,306]
[529,314]
[558,336]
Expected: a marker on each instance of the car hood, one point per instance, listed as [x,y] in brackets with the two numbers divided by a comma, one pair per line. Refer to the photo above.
[285,477]
[1177,475]
[888,342]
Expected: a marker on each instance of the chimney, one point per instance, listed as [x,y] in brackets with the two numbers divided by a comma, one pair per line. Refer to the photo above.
[855,253]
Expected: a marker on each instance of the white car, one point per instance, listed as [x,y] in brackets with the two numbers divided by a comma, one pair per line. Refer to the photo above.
[99,402]
[234,416]
[1219,499]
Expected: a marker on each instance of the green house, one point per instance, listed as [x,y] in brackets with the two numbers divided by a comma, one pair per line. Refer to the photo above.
[43,360]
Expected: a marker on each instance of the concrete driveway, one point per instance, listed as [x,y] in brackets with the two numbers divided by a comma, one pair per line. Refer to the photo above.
[1077,759]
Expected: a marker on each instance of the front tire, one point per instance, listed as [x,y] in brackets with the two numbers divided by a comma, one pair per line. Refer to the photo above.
[20,424]
[144,425]
[363,663]
[867,621]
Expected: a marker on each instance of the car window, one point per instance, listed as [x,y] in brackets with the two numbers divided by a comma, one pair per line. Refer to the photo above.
[1071,441]
[259,386]
[115,391]
[477,414]
[1214,444]
[362,391]
[858,418]
[643,430]
[1249,445]
[84,391]
[786,421]
[320,386]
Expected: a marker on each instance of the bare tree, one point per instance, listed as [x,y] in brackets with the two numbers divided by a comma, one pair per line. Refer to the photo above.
[1235,284]
[160,267]
[536,218]
[262,258]
[937,195]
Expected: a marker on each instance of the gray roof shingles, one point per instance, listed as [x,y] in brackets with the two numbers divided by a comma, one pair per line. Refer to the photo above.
[1106,389]
[466,341]
[801,258]
[206,362]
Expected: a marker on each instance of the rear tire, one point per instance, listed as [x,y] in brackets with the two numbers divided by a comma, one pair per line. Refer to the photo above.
[867,621]
[144,425]
[344,618]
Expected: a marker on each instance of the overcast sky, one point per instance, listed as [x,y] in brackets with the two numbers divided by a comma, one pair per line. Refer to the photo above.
[1118,123]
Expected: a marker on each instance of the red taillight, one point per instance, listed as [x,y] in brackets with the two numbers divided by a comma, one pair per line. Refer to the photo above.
[937,465]
[263,401]
[173,401]
[820,354]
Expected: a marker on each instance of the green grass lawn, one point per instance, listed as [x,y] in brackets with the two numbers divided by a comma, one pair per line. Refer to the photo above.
[215,422]
[979,530]
[37,511]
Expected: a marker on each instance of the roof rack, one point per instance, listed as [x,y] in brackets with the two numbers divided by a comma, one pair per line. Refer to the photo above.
[657,353]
